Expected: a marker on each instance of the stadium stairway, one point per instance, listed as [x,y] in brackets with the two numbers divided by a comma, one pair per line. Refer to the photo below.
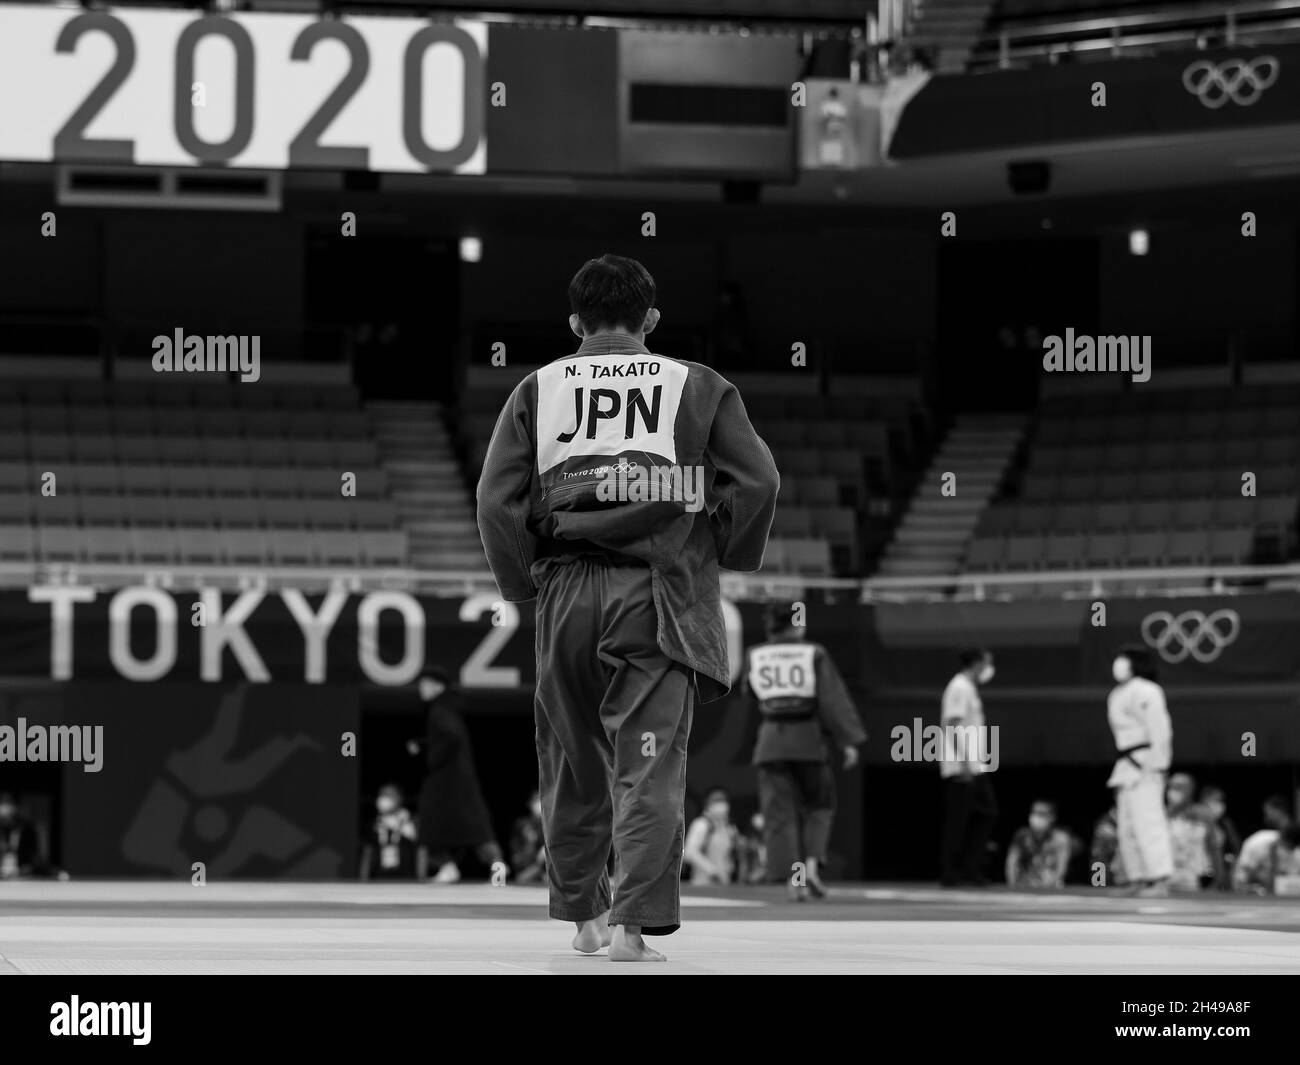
[950,29]
[425,481]
[931,539]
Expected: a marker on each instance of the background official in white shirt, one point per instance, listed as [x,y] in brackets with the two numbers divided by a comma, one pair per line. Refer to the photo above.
[969,806]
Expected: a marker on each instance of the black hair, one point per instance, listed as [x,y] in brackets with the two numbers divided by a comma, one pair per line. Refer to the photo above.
[972,655]
[1291,834]
[439,674]
[1044,802]
[777,617]
[612,292]
[1213,791]
[1278,802]
[709,795]
[1141,659]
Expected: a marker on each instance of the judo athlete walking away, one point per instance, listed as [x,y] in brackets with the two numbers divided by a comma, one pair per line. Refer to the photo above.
[616,483]
[1140,722]
[804,710]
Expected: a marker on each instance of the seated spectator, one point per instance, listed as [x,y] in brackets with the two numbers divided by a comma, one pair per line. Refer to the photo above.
[710,851]
[1225,841]
[1266,857]
[527,848]
[1039,852]
[751,853]
[391,838]
[1105,849]
[1263,854]
[23,844]
[18,843]
[1189,834]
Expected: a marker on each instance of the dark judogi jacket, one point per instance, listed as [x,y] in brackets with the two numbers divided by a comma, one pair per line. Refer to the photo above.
[613,406]
[801,701]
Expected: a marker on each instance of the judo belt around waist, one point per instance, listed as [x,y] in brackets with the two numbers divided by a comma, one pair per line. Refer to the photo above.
[787,715]
[587,549]
[1128,753]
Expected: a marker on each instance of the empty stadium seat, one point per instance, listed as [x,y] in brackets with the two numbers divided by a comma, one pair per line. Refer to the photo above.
[199,545]
[1193,513]
[1188,547]
[792,522]
[985,553]
[17,543]
[58,543]
[1104,549]
[338,547]
[1063,550]
[1152,514]
[245,546]
[1146,548]
[1111,517]
[1237,511]
[1036,517]
[154,545]
[810,558]
[290,547]
[15,507]
[385,548]
[1068,517]
[1023,552]
[1231,546]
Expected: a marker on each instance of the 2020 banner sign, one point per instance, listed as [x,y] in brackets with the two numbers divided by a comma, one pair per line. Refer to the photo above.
[250,91]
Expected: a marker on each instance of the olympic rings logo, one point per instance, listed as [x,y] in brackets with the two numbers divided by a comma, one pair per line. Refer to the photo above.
[623,466]
[1239,80]
[1190,634]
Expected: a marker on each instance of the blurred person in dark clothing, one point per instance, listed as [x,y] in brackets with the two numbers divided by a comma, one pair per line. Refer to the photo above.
[527,847]
[751,861]
[1105,849]
[22,844]
[453,814]
[391,838]
[1225,841]
[1189,834]
[805,714]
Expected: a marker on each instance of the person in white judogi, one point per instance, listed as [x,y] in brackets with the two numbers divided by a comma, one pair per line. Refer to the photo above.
[1143,734]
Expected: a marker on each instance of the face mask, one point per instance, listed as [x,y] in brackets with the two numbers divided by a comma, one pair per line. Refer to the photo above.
[719,812]
[1039,824]
[386,806]
[986,674]
[1121,669]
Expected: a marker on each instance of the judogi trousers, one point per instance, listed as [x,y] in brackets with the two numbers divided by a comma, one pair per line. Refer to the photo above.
[613,716]
[798,804]
[1144,844]
[970,810]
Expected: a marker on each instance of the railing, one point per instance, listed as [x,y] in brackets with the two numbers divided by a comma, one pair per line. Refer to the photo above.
[1166,581]
[1021,41]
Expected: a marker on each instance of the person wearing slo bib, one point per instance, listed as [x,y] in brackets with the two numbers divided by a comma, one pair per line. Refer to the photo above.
[804,711]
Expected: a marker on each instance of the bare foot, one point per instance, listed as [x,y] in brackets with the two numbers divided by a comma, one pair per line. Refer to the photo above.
[629,946]
[593,934]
